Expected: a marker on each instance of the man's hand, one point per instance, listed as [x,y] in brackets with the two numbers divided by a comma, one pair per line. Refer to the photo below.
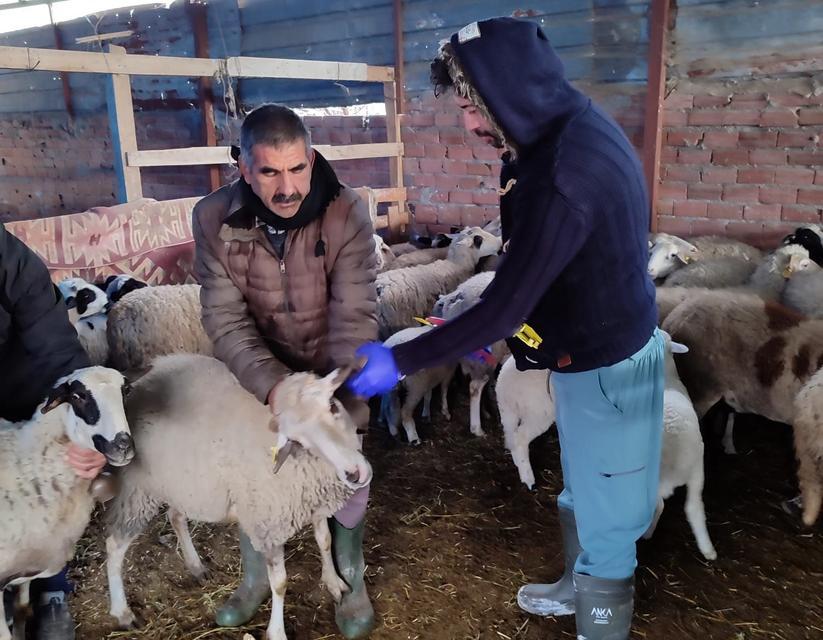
[378,375]
[87,463]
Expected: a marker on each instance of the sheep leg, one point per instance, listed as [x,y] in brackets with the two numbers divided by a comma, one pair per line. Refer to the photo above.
[116,547]
[696,514]
[333,582]
[655,519]
[22,612]
[728,436]
[444,400]
[475,394]
[190,556]
[277,580]
[427,405]
[413,398]
[5,634]
[520,457]
[393,417]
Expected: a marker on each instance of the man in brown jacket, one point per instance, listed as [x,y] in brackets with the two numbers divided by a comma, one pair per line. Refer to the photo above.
[286,259]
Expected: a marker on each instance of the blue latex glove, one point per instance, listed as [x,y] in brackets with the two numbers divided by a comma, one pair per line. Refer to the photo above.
[378,375]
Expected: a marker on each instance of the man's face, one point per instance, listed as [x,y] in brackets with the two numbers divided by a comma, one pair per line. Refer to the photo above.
[477,124]
[280,176]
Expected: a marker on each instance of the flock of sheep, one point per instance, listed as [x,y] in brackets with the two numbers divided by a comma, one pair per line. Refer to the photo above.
[747,328]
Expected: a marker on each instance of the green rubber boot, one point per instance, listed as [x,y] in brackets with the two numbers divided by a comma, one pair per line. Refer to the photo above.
[354,615]
[604,607]
[252,592]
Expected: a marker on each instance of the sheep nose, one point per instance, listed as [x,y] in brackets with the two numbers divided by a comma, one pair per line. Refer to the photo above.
[353,476]
[124,442]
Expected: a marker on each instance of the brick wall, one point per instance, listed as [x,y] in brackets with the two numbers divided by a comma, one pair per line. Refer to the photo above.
[743,161]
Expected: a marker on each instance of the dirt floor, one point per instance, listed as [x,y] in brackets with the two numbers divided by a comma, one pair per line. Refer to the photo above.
[452,534]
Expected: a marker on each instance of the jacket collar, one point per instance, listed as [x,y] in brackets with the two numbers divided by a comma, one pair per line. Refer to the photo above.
[239,223]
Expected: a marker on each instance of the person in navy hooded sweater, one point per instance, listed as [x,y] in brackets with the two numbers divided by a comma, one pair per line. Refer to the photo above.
[575,217]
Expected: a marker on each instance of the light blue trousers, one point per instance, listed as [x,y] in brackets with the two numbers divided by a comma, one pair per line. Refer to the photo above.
[610,422]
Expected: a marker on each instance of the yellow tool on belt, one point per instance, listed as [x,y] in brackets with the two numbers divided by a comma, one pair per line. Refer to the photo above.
[529,336]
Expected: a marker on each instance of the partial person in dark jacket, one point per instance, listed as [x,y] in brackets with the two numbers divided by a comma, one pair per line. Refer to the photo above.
[573,285]
[38,345]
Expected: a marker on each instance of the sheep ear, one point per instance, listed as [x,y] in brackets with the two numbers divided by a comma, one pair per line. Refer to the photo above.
[133,375]
[477,241]
[57,396]
[283,453]
[337,377]
[678,347]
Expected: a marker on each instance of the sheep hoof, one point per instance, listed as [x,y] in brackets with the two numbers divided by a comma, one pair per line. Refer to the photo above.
[127,620]
[337,587]
[201,575]
[478,432]
[709,554]
[415,442]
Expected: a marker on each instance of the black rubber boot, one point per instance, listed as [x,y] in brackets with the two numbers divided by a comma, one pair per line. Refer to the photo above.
[556,599]
[53,619]
[252,592]
[354,615]
[604,607]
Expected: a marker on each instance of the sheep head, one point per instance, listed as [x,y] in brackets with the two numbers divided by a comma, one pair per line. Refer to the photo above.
[789,259]
[84,298]
[91,400]
[480,242]
[670,253]
[307,414]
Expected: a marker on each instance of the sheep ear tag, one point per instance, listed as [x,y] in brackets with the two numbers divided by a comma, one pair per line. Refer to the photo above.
[678,347]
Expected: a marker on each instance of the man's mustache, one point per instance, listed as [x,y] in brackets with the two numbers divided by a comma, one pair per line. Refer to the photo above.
[284,199]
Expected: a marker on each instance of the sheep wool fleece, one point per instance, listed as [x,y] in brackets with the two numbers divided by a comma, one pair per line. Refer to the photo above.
[610,423]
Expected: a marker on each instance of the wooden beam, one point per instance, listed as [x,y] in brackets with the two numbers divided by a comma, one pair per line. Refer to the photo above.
[100,37]
[397,215]
[652,129]
[123,131]
[64,77]
[245,67]
[199,22]
[399,62]
[220,155]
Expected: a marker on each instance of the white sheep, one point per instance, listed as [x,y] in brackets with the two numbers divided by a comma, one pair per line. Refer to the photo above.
[46,505]
[669,252]
[804,291]
[211,452]
[416,258]
[403,294]
[478,370]
[385,256]
[417,387]
[88,306]
[713,273]
[156,321]
[770,278]
[527,411]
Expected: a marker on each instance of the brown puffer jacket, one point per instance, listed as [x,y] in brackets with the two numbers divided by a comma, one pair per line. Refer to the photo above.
[266,316]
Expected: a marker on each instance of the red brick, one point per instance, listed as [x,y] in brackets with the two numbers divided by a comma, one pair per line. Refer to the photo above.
[485,152]
[446,119]
[461,197]
[425,214]
[730,157]
[788,99]
[680,172]
[453,167]
[726,210]
[668,155]
[435,150]
[720,139]
[706,227]
[761,212]
[486,197]
[664,207]
[472,216]
[810,116]
[470,182]
[425,179]
[672,118]
[478,168]
[411,166]
[767,156]
[810,196]
[452,135]
[683,137]
[449,214]
[818,178]
[672,190]
[758,139]
[711,101]
[778,195]
[709,117]
[799,213]
[692,208]
[455,152]
[719,175]
[421,119]
[430,165]
[793,175]
[806,157]
[778,118]
[678,101]
[693,156]
[421,136]
[741,192]
[740,117]
[798,138]
[414,150]
[702,191]
[749,231]
[749,100]
[755,176]
[673,225]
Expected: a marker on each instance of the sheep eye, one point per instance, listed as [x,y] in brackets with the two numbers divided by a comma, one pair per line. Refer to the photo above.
[126,389]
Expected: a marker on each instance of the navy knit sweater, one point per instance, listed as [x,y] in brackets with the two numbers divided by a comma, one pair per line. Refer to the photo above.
[576,221]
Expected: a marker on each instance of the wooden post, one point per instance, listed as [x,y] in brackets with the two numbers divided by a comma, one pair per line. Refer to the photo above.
[399,63]
[123,131]
[64,77]
[199,23]
[652,129]
[396,213]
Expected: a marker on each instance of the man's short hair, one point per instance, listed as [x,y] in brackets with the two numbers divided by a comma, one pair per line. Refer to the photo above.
[273,125]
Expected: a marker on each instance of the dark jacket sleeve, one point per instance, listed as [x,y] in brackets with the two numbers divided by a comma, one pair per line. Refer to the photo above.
[40,332]
[538,251]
